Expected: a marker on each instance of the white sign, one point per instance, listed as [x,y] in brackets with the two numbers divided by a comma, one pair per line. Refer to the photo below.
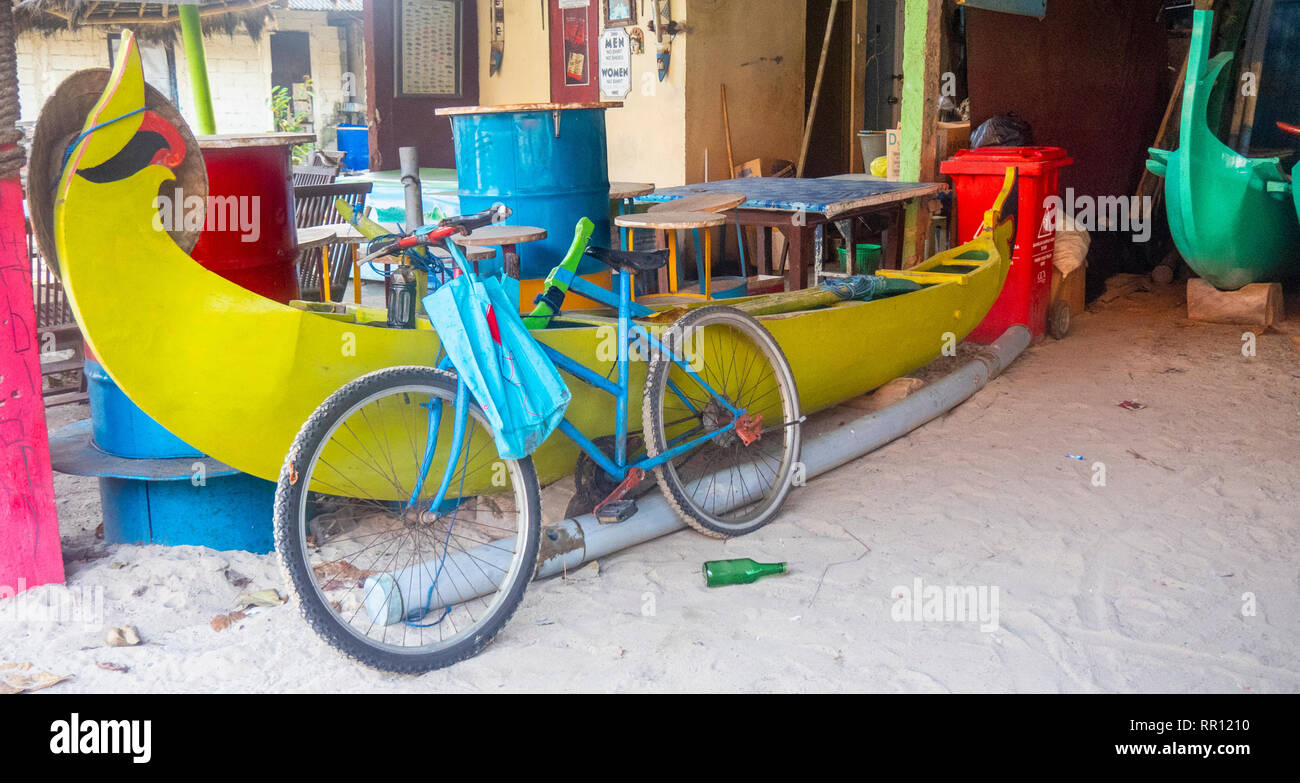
[615,63]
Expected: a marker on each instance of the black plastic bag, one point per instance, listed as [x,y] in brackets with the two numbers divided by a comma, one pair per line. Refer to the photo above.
[1004,130]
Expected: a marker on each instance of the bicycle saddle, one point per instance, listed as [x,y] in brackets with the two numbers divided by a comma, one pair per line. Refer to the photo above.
[629,259]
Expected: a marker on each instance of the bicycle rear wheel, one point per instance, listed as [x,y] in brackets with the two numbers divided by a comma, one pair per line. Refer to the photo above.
[735,482]
[380,572]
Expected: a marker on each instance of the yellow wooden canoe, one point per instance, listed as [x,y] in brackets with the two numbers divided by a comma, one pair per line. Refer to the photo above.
[236,375]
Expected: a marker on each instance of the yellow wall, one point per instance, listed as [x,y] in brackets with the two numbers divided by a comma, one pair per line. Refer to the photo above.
[659,135]
[525,70]
[646,136]
[755,48]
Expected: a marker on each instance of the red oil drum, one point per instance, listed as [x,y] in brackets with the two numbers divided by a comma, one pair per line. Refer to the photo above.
[249,236]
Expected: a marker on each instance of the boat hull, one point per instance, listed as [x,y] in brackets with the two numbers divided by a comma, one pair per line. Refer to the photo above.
[236,375]
[1230,216]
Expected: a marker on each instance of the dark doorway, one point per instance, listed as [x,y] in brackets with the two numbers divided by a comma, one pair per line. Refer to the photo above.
[884,64]
[828,146]
[291,70]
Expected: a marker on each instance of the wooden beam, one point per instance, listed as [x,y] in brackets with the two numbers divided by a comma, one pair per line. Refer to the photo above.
[922,82]
[857,85]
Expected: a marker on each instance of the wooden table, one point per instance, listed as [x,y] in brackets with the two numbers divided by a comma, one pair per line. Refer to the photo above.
[506,238]
[801,208]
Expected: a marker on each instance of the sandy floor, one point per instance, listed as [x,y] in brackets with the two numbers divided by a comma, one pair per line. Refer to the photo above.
[1134,585]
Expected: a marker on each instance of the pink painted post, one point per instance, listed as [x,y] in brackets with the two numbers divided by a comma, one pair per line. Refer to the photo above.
[30,553]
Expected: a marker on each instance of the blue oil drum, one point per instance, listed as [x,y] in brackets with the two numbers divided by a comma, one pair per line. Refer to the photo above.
[548,163]
[121,428]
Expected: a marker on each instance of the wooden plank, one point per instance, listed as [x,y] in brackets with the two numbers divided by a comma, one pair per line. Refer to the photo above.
[30,551]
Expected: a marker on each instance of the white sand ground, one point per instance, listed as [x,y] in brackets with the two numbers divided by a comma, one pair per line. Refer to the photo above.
[1135,585]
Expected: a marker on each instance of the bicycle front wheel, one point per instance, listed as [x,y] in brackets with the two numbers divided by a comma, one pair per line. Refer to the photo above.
[383,569]
[721,400]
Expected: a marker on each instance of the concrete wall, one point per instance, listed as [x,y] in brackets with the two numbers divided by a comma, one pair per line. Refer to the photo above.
[663,129]
[239,71]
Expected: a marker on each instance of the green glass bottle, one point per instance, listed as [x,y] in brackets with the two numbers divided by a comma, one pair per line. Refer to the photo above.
[741,571]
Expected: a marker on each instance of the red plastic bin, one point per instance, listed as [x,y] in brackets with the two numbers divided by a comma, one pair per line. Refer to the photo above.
[977,178]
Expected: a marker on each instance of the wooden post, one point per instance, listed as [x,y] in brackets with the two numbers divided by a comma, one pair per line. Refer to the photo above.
[30,552]
[858,86]
[1258,304]
[922,82]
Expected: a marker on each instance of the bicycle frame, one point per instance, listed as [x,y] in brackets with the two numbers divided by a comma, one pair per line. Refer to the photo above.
[629,331]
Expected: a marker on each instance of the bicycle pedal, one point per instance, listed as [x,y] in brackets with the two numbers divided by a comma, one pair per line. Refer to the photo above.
[615,511]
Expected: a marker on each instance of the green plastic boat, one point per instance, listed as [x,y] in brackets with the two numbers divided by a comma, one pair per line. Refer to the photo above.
[1294,130]
[1231,217]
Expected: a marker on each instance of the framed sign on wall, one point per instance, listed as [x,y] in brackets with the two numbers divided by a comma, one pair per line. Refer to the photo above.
[427,48]
[575,30]
[619,13]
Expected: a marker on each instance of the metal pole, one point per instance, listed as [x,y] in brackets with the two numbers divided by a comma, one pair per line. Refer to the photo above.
[197,63]
[573,542]
[409,161]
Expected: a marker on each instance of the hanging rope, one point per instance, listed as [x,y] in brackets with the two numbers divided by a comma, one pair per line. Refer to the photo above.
[12,155]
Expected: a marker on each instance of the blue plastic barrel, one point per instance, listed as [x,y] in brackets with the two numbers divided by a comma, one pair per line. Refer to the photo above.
[355,141]
[546,162]
[121,428]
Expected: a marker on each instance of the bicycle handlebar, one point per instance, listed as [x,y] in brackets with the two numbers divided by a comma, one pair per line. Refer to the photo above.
[496,213]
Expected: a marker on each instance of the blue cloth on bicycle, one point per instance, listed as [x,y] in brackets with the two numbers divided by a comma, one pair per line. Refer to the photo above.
[510,376]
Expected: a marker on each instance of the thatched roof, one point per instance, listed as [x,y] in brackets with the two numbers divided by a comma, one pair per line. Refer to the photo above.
[152,21]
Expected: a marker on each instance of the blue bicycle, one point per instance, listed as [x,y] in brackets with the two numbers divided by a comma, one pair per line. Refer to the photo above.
[409,538]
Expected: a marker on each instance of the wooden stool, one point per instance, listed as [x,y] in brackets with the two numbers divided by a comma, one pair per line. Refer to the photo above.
[346,233]
[506,238]
[472,254]
[709,202]
[624,193]
[672,222]
[322,237]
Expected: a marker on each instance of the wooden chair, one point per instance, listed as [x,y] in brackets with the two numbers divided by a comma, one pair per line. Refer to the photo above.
[314,175]
[54,321]
[314,206]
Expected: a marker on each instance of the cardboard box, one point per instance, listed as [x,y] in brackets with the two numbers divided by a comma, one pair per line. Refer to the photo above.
[764,167]
[952,136]
[1069,289]
[893,153]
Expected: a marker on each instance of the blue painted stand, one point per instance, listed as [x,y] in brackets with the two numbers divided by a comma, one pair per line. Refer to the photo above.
[155,488]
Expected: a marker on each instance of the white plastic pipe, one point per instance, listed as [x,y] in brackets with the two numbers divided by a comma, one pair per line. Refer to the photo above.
[573,542]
